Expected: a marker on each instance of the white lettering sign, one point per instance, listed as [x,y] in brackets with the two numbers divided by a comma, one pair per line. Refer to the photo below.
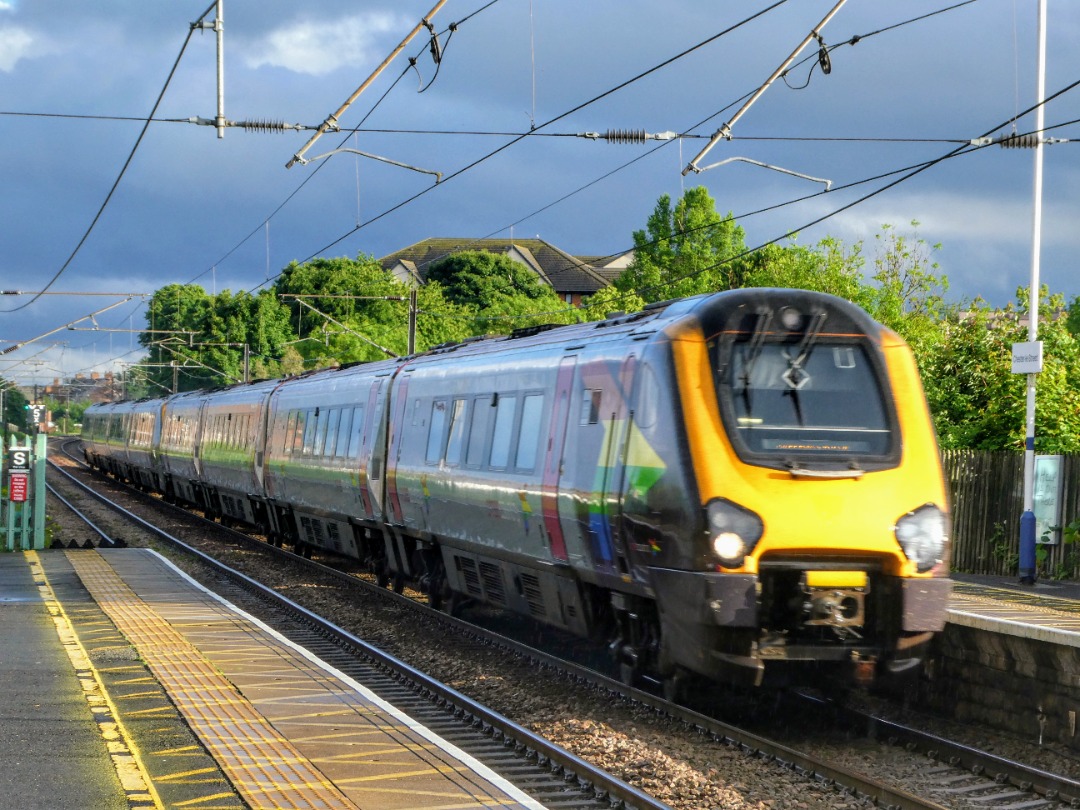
[1027,358]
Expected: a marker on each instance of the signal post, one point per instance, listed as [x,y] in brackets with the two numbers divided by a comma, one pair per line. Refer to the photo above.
[24,473]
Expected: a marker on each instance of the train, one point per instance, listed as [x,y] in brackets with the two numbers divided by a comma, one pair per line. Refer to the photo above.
[743,486]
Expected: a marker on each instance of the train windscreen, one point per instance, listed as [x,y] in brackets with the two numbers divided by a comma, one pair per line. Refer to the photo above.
[786,401]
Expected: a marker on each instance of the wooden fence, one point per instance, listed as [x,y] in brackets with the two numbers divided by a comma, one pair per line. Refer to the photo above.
[987,501]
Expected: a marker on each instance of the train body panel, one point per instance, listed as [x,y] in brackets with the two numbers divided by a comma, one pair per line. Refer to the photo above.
[731,485]
[180,434]
[324,456]
[230,448]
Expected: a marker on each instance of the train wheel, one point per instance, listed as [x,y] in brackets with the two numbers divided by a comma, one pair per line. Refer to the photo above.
[674,686]
[399,583]
[628,674]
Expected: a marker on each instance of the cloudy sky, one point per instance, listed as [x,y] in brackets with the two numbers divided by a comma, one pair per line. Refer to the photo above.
[501,119]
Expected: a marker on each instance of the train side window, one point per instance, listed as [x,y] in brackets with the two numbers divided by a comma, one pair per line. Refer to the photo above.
[457,433]
[341,445]
[290,429]
[332,432]
[322,419]
[417,419]
[309,431]
[590,406]
[647,408]
[504,428]
[478,422]
[530,432]
[357,432]
[297,437]
[436,432]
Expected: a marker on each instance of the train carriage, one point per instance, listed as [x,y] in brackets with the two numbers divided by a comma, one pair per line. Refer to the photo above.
[181,423]
[744,486]
[229,450]
[716,483]
[323,459]
[123,437]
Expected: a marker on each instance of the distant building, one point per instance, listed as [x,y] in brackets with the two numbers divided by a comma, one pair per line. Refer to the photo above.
[96,387]
[571,277]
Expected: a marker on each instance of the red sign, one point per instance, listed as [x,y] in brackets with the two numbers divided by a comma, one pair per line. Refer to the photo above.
[17,487]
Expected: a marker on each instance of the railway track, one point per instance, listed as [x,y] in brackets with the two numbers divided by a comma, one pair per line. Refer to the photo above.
[953,778]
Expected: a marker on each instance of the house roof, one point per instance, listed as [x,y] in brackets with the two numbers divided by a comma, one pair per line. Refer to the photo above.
[563,272]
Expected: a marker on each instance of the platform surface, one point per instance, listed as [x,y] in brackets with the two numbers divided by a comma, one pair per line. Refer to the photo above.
[269,724]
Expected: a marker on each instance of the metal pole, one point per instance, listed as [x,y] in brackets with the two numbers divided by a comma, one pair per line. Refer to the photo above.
[332,122]
[1027,520]
[219,29]
[412,322]
[725,130]
[40,456]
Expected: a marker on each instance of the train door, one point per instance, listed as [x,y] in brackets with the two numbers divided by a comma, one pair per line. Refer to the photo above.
[372,453]
[196,454]
[553,460]
[396,426]
[621,423]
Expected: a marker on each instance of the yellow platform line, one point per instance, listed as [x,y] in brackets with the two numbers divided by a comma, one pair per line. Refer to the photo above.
[268,772]
[129,768]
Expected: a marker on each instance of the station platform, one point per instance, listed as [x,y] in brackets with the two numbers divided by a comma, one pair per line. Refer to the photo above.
[1045,611]
[124,684]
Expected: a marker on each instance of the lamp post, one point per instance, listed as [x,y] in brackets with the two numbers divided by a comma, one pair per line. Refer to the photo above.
[1027,519]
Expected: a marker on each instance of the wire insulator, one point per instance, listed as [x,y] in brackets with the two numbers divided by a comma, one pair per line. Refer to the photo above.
[265,126]
[625,136]
[1014,141]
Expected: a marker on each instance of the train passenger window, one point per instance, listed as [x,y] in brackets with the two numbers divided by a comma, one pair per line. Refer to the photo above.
[530,431]
[457,433]
[417,419]
[435,432]
[290,429]
[332,432]
[320,435]
[310,423]
[341,446]
[296,437]
[474,454]
[357,435]
[590,406]
[504,427]
[647,401]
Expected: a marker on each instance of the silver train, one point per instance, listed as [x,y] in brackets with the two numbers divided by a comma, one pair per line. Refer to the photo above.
[744,486]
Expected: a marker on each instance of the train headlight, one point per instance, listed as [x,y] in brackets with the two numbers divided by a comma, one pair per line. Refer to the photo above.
[733,531]
[922,535]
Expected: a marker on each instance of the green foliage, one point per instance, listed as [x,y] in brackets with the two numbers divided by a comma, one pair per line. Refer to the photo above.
[979,403]
[829,267]
[14,411]
[1003,550]
[608,301]
[684,251]
[499,293]
[196,340]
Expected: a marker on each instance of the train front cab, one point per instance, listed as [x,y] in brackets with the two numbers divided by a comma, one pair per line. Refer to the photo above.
[825,516]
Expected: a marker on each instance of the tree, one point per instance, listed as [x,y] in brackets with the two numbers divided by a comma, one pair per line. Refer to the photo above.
[499,293]
[371,310]
[979,403]
[684,251]
[14,410]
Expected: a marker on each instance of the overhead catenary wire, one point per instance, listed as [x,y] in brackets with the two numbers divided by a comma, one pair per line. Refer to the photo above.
[851,41]
[543,134]
[123,170]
